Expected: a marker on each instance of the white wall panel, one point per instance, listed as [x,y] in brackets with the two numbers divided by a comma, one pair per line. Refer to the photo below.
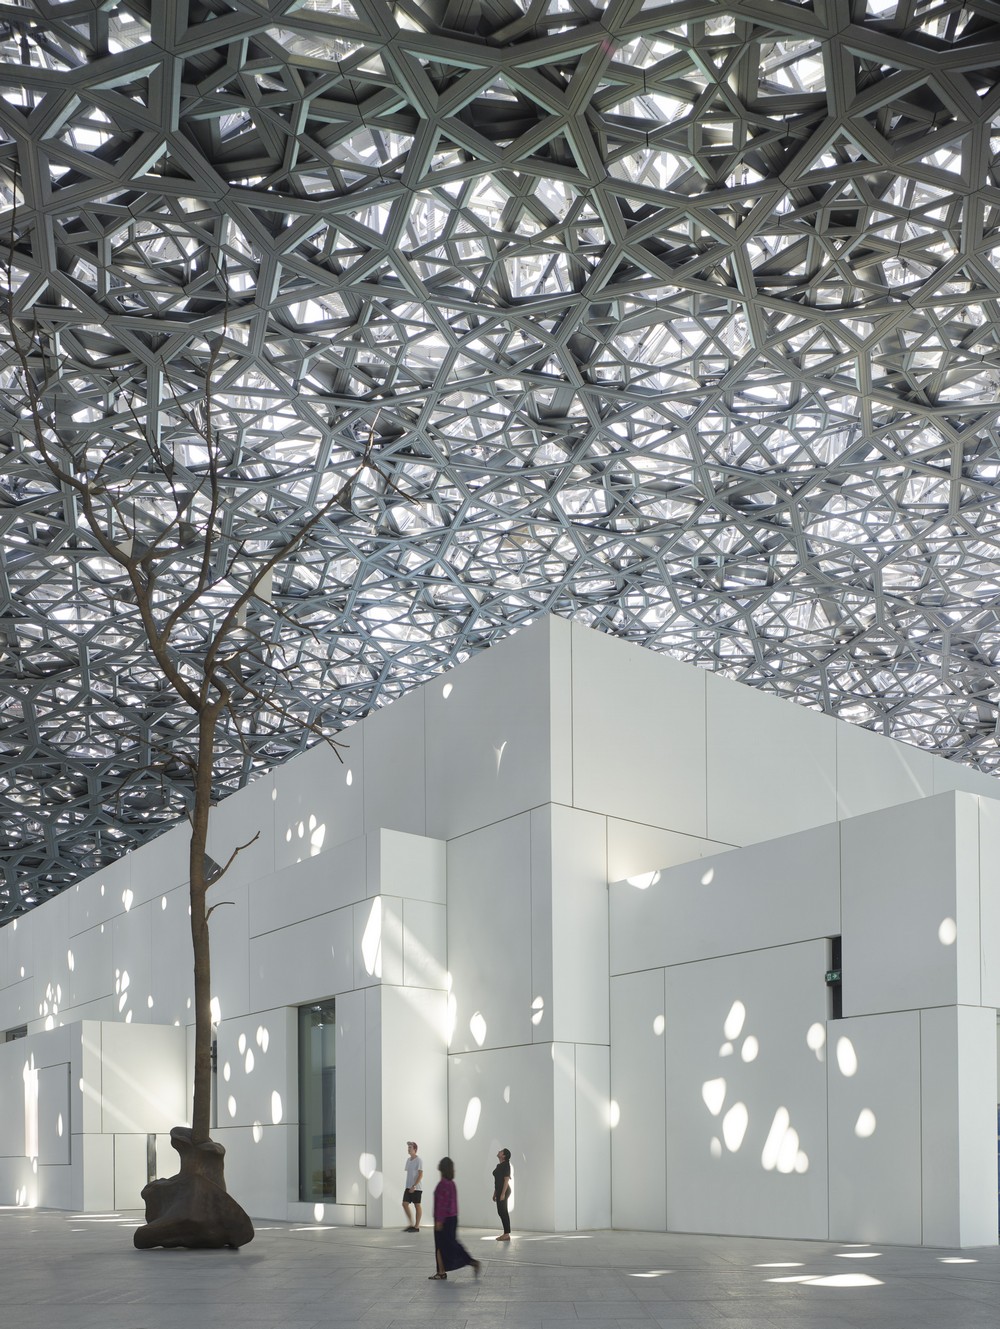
[414,1090]
[94,1163]
[877,772]
[593,1137]
[771,894]
[955,775]
[142,1077]
[412,866]
[315,886]
[228,929]
[18,1006]
[259,1170]
[258,1061]
[741,1078]
[303,963]
[130,1170]
[131,955]
[564,1143]
[958,1087]
[579,885]
[161,865]
[425,944]
[50,963]
[92,972]
[874,1093]
[101,896]
[55,1187]
[489,953]
[378,941]
[352,1056]
[394,757]
[54,1117]
[234,824]
[372,1163]
[503,1099]
[989,900]
[638,734]
[14,1057]
[638,1102]
[900,898]
[772,766]
[319,800]
[172,959]
[489,740]
[634,849]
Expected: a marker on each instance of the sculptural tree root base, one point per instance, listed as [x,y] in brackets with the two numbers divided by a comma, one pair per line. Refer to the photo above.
[193,1209]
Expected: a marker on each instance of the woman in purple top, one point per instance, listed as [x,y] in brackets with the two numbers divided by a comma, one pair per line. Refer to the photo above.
[449,1253]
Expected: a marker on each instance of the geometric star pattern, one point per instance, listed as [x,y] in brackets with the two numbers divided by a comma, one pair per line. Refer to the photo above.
[680,319]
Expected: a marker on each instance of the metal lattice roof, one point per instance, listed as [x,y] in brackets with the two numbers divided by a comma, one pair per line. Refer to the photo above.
[681,319]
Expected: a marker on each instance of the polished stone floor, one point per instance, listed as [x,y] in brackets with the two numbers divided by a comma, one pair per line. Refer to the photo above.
[62,1271]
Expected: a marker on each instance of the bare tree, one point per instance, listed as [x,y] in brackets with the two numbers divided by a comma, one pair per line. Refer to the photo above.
[151,457]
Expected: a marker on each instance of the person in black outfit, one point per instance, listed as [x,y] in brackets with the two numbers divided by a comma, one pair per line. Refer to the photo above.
[501,1191]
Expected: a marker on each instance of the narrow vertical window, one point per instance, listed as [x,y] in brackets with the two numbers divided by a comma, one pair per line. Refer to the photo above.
[318,1102]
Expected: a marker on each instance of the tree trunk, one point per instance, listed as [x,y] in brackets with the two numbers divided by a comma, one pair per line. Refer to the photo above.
[201,1111]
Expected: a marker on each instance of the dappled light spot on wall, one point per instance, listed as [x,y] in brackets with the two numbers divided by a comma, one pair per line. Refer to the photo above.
[614,1113]
[366,1166]
[864,1127]
[319,1213]
[726,1050]
[948,932]
[127,898]
[847,1058]
[241,1043]
[816,1039]
[734,1126]
[643,880]
[447,690]
[371,941]
[733,1026]
[163,902]
[781,1148]
[102,896]
[659,1024]
[231,1105]
[128,1017]
[506,1093]
[715,1147]
[277,1111]
[477,1028]
[714,1094]
[498,754]
[248,1063]
[189,1003]
[538,1010]
[263,1038]
[149,1002]
[375,1185]
[216,1009]
[227,1071]
[70,961]
[708,877]
[258,1132]
[349,778]
[750,1048]
[472,1113]
[59,1125]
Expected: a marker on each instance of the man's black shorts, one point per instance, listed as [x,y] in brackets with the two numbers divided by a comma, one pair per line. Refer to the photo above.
[411,1197]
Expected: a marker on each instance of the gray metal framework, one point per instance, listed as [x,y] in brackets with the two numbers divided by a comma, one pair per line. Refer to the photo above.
[681,319]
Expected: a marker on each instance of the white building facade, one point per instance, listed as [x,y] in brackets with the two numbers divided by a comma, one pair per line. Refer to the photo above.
[422,943]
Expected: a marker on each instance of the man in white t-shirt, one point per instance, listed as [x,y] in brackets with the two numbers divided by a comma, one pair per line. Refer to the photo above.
[413,1194]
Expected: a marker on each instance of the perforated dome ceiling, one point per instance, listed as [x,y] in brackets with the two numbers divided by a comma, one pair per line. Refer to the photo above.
[678,319]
